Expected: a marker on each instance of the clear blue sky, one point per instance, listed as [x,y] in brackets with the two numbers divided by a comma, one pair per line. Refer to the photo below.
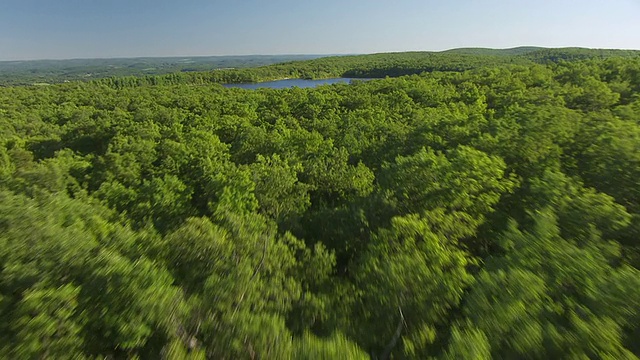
[55,29]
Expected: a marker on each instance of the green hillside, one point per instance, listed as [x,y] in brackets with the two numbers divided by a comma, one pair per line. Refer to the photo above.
[521,50]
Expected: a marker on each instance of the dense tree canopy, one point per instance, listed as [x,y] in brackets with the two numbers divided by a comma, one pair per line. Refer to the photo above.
[490,210]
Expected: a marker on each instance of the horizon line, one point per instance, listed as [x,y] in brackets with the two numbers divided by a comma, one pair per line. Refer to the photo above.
[307,54]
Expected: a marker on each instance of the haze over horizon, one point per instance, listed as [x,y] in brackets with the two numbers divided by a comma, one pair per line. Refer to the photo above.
[66,29]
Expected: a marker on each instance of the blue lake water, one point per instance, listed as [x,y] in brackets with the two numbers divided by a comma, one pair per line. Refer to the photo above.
[289,83]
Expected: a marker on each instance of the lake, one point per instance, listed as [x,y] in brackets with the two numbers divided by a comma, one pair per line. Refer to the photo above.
[289,83]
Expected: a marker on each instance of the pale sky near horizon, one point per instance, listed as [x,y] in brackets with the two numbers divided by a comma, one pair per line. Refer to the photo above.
[63,29]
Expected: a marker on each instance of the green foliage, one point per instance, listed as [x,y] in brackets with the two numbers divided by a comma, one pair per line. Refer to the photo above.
[45,324]
[407,276]
[485,206]
[310,347]
[467,180]
[279,192]
[468,343]
[548,297]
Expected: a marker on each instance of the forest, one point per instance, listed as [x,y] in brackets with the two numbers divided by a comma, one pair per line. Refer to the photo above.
[468,205]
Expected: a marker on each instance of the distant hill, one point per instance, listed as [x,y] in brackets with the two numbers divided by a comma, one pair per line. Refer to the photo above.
[545,55]
[495,52]
[541,54]
[56,71]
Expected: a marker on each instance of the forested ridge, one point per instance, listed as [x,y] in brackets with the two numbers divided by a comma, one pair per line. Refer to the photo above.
[256,68]
[487,208]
